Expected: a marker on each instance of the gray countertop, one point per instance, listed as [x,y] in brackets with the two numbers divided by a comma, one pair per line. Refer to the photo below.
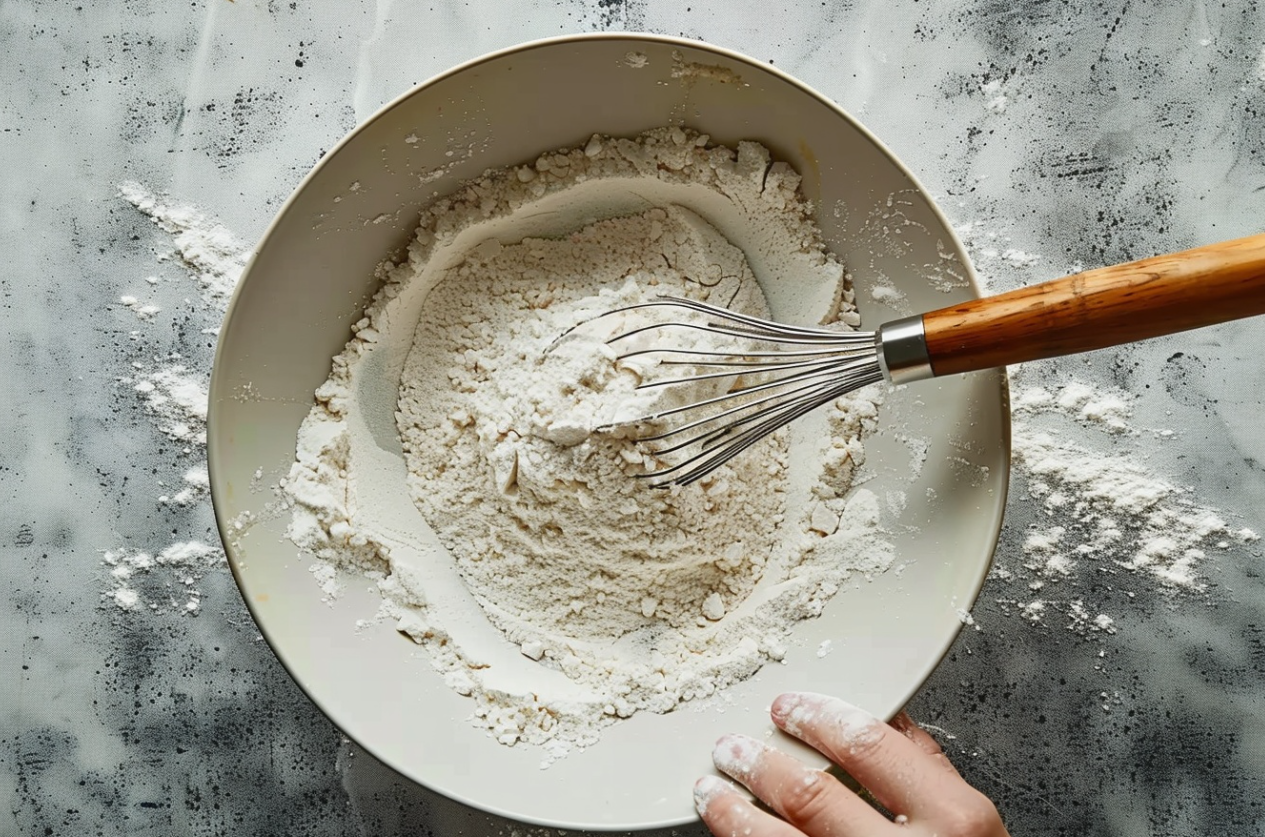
[1092,695]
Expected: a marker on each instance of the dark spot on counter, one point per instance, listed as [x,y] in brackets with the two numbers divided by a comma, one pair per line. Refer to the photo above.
[1182,375]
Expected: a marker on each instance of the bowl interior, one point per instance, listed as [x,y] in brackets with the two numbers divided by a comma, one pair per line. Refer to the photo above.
[939,463]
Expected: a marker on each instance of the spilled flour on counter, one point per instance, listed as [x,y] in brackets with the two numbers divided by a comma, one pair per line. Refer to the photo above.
[185,561]
[214,256]
[1106,510]
[176,399]
[171,391]
[1118,511]
[599,596]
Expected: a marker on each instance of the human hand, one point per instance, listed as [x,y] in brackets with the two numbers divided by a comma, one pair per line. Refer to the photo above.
[899,764]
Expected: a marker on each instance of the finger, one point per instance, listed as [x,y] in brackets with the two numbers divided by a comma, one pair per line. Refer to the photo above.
[812,800]
[727,812]
[900,775]
[907,727]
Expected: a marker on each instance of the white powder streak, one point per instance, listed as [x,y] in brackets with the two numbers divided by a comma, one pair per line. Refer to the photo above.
[994,254]
[175,398]
[738,755]
[143,310]
[190,554]
[1109,410]
[212,253]
[197,482]
[126,598]
[186,562]
[1113,493]
[706,790]
[995,99]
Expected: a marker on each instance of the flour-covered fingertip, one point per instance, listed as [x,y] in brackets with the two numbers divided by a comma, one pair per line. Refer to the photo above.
[791,708]
[737,755]
[706,789]
[808,715]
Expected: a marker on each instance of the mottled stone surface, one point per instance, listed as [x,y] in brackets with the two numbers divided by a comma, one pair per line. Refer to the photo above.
[1055,135]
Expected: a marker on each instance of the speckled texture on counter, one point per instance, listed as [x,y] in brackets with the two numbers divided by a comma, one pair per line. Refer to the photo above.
[1055,135]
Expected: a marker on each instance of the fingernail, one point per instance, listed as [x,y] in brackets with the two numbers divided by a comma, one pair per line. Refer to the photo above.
[800,712]
[705,790]
[793,710]
[737,755]
[903,724]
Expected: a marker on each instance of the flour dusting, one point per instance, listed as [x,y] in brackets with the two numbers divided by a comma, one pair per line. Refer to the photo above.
[186,562]
[1112,509]
[164,577]
[214,255]
[143,310]
[176,398]
[194,486]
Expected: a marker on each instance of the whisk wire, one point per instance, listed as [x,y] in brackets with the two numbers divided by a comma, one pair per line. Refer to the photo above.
[816,366]
[829,364]
[737,410]
[696,353]
[835,340]
[698,466]
[813,380]
[761,325]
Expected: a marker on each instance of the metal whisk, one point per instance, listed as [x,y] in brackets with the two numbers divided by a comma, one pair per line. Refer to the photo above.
[773,373]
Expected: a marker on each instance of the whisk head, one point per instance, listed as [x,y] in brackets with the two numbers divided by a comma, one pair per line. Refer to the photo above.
[733,379]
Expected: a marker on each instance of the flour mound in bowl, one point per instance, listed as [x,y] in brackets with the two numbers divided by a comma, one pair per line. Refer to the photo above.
[462,456]
[555,537]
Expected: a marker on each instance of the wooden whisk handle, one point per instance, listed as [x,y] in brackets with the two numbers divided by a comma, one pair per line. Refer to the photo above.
[1108,306]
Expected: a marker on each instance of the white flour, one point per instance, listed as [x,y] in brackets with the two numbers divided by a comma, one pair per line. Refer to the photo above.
[164,578]
[177,400]
[143,310]
[552,533]
[212,253]
[195,485]
[613,596]
[185,561]
[1107,508]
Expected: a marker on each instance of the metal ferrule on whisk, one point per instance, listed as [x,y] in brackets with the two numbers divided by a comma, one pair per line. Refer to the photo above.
[902,351]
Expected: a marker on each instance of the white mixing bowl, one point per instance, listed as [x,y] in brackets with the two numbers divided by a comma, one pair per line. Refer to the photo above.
[941,462]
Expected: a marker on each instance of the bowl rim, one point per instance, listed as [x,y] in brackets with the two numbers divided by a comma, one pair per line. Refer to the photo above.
[217,489]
